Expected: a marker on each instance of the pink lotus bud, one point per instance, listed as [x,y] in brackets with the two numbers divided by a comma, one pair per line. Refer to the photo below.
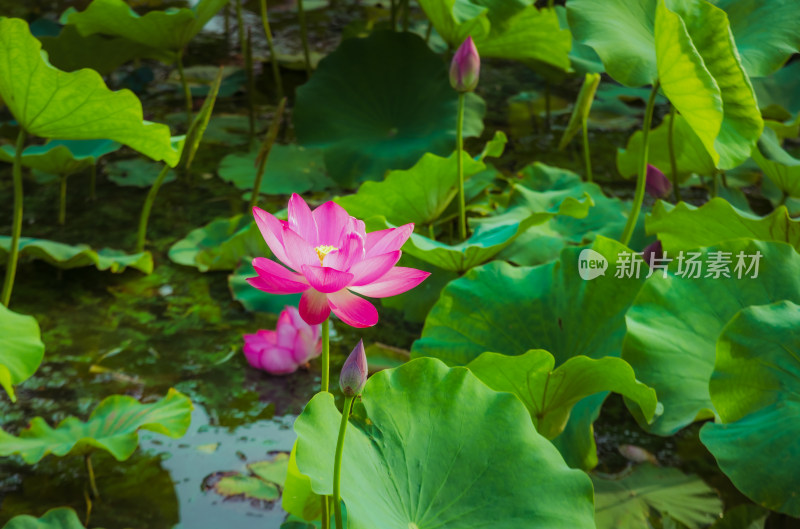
[354,372]
[653,253]
[656,183]
[292,344]
[466,67]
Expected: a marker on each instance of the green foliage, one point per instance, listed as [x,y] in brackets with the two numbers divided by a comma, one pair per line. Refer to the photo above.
[503,29]
[52,104]
[549,393]
[165,30]
[254,299]
[68,256]
[113,426]
[22,349]
[289,169]
[220,245]
[690,155]
[580,112]
[61,518]
[754,389]
[61,157]
[413,413]
[628,503]
[778,165]
[136,172]
[380,103]
[684,226]
[674,323]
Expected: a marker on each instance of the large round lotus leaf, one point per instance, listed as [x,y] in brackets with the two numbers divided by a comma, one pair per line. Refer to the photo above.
[380,103]
[50,103]
[690,155]
[549,393]
[621,32]
[61,518]
[684,226]
[61,157]
[674,322]
[22,349]
[113,426]
[756,391]
[765,32]
[171,29]
[703,78]
[66,256]
[509,310]
[628,502]
[430,457]
[289,169]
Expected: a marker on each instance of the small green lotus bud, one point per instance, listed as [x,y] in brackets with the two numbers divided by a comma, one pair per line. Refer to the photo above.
[466,67]
[354,372]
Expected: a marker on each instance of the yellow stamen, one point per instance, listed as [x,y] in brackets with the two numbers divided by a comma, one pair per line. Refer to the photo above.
[324,250]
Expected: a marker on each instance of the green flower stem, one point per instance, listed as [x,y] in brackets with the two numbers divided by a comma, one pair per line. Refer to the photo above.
[301,15]
[148,205]
[16,229]
[266,148]
[640,183]
[251,85]
[587,158]
[62,201]
[326,513]
[93,185]
[673,163]
[273,57]
[393,13]
[326,354]
[337,464]
[462,205]
[90,471]
[187,94]
[431,232]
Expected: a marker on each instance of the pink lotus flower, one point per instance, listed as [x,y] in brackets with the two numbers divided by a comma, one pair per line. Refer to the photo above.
[332,259]
[292,344]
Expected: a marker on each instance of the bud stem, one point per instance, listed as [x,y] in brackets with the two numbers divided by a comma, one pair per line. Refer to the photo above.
[337,464]
[640,183]
[587,157]
[326,354]
[462,215]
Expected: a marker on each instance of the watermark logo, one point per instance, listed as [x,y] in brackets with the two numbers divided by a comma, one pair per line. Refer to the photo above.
[591,264]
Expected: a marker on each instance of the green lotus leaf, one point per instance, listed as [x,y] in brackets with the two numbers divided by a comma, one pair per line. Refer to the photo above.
[743,516]
[684,226]
[549,393]
[70,51]
[136,172]
[50,103]
[690,155]
[253,299]
[419,194]
[417,303]
[754,388]
[60,518]
[273,470]
[448,481]
[249,487]
[781,89]
[498,307]
[380,103]
[113,426]
[702,75]
[490,236]
[22,348]
[674,322]
[220,245]
[626,503]
[68,256]
[166,30]
[621,32]
[61,157]
[779,166]
[298,499]
[580,112]
[582,58]
[289,169]
[503,29]
[765,32]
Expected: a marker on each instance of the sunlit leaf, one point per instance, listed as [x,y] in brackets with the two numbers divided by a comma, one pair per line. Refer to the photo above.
[22,349]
